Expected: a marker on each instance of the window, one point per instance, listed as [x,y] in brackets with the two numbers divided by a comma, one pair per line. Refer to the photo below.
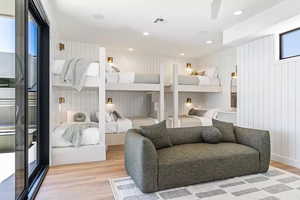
[290,44]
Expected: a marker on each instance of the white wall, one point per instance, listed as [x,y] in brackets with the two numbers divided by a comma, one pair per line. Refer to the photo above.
[225,62]
[269,97]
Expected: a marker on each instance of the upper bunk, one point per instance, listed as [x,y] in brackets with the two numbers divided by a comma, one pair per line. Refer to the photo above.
[78,73]
[193,83]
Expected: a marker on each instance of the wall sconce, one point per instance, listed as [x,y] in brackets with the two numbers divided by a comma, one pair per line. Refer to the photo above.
[109,105]
[188,102]
[109,101]
[234,74]
[188,68]
[110,59]
[61,46]
[61,100]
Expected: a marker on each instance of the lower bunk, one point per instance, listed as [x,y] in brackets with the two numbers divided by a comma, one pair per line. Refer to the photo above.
[116,131]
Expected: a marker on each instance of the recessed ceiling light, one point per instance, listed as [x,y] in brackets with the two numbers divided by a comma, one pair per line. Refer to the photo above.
[238,12]
[182,54]
[209,42]
[146,33]
[130,49]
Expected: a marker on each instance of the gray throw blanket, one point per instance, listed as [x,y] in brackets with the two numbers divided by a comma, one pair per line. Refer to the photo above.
[79,73]
[73,132]
[74,72]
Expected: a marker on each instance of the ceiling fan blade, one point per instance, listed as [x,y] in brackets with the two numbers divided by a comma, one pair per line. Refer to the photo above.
[215,8]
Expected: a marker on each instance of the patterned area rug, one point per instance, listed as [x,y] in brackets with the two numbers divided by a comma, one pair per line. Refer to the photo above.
[276,184]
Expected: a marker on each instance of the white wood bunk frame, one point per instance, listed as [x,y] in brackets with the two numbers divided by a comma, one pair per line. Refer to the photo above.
[175,88]
[89,153]
[119,138]
[99,82]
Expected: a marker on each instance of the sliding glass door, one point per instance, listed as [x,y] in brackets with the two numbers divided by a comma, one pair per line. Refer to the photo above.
[24,47]
[7,104]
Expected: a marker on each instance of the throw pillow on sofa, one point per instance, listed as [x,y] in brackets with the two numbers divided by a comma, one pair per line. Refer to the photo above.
[227,130]
[211,135]
[158,134]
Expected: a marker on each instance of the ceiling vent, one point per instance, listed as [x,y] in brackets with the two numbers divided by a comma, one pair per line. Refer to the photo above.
[159,21]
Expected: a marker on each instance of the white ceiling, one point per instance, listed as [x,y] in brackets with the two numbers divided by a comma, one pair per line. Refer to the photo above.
[119,24]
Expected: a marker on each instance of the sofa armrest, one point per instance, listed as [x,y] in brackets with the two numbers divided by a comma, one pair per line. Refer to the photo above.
[141,161]
[259,140]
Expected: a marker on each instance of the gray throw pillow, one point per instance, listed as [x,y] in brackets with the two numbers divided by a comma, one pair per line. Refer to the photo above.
[79,117]
[211,135]
[197,112]
[227,130]
[158,134]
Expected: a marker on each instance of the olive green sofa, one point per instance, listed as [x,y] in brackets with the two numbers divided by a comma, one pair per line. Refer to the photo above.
[191,161]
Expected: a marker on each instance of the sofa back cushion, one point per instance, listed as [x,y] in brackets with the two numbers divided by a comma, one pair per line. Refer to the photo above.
[211,135]
[158,134]
[227,130]
[185,135]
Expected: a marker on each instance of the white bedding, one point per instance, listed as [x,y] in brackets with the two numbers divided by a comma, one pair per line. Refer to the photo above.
[204,121]
[120,126]
[205,80]
[90,136]
[120,77]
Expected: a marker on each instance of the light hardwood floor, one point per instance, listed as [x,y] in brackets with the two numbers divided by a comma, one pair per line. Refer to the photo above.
[89,181]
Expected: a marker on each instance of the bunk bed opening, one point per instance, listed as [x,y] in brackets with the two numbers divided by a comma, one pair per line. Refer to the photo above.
[193,84]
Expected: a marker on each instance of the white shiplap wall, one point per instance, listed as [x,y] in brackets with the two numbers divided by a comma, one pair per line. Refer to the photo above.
[131,104]
[225,62]
[269,97]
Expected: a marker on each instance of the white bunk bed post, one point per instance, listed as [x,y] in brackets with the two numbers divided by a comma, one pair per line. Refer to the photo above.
[175,95]
[102,107]
[162,94]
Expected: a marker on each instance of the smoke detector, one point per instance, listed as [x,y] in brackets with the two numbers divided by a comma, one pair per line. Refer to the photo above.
[159,21]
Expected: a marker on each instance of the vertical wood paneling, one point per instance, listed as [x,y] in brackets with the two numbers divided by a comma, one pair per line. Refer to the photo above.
[269,97]
[130,104]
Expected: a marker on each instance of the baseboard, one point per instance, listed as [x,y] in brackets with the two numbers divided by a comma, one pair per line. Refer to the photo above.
[286,160]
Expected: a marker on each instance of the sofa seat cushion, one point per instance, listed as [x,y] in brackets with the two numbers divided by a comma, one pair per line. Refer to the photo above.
[195,163]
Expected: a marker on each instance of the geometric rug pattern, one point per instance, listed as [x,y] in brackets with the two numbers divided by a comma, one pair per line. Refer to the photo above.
[276,184]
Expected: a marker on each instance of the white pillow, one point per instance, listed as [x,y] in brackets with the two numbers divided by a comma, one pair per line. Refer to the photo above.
[90,136]
[70,116]
[57,139]
[211,72]
[109,117]
[211,113]
[58,66]
[110,68]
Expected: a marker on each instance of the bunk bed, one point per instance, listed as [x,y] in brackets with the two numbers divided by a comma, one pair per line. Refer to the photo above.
[149,83]
[190,84]
[107,81]
[77,141]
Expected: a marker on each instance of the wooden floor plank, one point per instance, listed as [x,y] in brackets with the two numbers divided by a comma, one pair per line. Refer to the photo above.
[90,181]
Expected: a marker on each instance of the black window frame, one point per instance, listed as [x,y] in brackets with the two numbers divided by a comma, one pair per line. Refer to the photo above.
[35,179]
[281,44]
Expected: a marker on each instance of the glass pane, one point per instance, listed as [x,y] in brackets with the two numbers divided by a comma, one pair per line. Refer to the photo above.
[7,100]
[32,94]
[290,44]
